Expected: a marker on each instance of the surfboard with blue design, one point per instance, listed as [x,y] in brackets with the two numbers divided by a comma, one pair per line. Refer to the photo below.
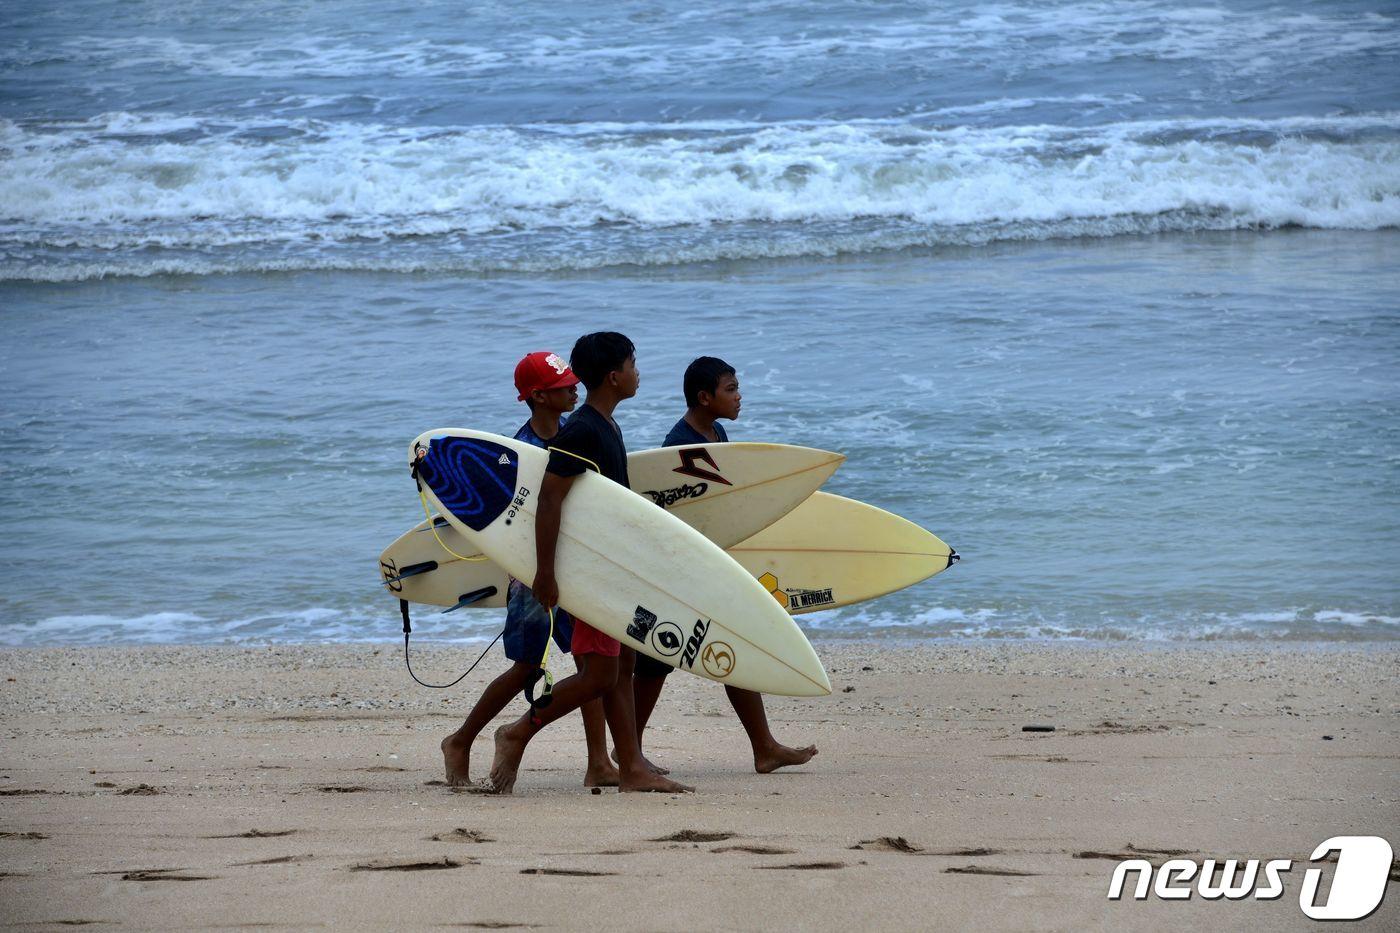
[632,570]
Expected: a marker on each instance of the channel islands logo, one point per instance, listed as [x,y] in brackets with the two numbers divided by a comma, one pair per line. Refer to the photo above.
[792,600]
[770,583]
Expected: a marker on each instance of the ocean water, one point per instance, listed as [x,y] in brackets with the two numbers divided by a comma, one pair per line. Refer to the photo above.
[1103,293]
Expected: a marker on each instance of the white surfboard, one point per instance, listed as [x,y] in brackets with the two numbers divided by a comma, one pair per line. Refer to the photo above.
[828,552]
[631,570]
[727,492]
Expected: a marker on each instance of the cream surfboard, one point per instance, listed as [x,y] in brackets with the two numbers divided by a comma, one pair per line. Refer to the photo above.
[633,571]
[828,552]
[832,551]
[727,492]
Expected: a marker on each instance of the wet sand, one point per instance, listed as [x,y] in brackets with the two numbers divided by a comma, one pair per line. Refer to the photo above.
[297,787]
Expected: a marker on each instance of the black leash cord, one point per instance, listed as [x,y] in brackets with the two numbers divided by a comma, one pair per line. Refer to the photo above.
[459,679]
[408,628]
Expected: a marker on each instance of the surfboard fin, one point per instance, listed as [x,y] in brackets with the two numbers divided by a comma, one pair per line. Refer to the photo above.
[475,596]
[412,570]
[953,557]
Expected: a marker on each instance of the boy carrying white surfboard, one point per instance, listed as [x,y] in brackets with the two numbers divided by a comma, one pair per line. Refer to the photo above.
[606,363]
[549,387]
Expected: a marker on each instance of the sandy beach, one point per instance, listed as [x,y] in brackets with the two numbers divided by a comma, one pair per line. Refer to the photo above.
[300,787]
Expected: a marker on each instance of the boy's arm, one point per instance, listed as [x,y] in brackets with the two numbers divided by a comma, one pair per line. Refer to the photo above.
[551,504]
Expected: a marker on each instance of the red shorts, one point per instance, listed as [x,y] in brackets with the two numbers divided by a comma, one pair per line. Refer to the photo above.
[588,640]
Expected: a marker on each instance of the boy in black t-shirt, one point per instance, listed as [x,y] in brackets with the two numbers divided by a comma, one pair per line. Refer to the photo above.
[546,384]
[606,363]
[712,392]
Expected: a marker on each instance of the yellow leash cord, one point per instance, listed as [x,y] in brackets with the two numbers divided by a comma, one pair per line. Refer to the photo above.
[423,497]
[570,453]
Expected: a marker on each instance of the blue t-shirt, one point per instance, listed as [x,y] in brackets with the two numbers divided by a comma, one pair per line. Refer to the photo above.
[528,435]
[683,435]
[521,605]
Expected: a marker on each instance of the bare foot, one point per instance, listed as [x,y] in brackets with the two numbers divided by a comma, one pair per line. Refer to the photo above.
[642,780]
[652,766]
[510,748]
[600,775]
[456,760]
[780,756]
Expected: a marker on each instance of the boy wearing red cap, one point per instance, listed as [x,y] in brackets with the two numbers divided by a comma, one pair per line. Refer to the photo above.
[546,384]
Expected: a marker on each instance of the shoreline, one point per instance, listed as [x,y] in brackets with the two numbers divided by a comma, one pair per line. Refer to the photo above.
[297,786]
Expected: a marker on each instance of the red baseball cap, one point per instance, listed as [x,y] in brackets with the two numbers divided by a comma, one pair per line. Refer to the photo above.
[542,370]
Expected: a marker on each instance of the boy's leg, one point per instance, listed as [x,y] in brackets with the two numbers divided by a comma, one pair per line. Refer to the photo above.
[768,753]
[597,674]
[601,772]
[647,682]
[457,747]
[634,773]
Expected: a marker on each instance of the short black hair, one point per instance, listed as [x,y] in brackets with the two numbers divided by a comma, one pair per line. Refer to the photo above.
[703,375]
[596,355]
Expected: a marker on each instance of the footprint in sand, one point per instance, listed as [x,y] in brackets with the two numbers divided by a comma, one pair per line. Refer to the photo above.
[279,860]
[805,866]
[568,872]
[256,834]
[410,866]
[756,850]
[341,789]
[695,835]
[888,844]
[988,870]
[140,790]
[462,835]
[156,874]
[23,836]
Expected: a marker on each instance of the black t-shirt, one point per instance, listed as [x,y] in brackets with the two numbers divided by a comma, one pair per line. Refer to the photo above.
[592,436]
[683,435]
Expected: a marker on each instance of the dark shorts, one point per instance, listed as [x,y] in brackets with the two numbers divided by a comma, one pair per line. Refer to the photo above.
[650,667]
[527,626]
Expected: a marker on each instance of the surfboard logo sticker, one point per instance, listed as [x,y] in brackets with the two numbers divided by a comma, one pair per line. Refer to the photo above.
[718,659]
[667,640]
[390,571]
[692,644]
[469,479]
[669,497]
[805,599]
[643,621]
[689,456]
[793,599]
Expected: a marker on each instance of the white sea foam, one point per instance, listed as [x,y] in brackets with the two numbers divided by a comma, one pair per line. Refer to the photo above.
[133,182]
[947,622]
[314,624]
[324,624]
